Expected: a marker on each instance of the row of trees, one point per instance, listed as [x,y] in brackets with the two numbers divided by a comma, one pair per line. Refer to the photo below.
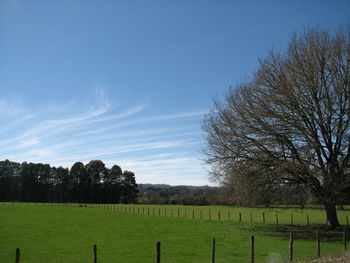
[90,183]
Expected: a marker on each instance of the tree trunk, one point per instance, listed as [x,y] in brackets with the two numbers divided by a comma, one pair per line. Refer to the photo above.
[332,219]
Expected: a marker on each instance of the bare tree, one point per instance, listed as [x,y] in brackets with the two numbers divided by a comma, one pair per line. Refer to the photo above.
[290,121]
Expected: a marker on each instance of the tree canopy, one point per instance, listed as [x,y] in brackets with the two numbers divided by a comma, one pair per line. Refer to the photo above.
[90,183]
[289,123]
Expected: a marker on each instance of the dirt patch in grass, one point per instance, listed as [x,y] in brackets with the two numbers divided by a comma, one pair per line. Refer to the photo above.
[336,259]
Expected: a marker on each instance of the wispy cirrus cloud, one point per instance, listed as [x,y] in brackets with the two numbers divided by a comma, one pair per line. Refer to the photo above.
[131,136]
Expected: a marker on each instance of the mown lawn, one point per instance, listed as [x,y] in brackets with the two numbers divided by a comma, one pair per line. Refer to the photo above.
[53,234]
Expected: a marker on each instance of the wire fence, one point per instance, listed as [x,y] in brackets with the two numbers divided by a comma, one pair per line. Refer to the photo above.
[253,215]
[253,248]
[208,214]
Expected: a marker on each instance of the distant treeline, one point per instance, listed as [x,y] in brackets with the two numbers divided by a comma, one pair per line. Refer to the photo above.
[180,195]
[249,195]
[90,183]
[95,183]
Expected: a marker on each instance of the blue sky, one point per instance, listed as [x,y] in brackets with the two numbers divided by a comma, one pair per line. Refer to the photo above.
[129,82]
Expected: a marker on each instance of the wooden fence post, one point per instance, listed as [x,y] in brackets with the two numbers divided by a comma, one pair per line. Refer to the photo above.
[18,255]
[318,247]
[344,239]
[251,217]
[291,241]
[263,217]
[213,252]
[158,252]
[347,221]
[178,212]
[219,215]
[252,249]
[229,215]
[276,218]
[307,219]
[240,217]
[95,254]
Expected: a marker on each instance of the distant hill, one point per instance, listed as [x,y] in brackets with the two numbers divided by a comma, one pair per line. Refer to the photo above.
[167,186]
[178,194]
[157,186]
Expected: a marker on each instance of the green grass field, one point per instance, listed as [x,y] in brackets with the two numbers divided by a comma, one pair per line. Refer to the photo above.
[51,234]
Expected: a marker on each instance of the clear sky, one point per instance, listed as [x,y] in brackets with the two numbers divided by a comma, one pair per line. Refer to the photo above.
[128,82]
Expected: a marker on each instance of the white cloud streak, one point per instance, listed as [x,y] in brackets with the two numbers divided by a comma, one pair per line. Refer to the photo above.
[63,134]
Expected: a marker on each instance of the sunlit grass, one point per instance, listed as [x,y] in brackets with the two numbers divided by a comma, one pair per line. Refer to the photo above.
[66,234]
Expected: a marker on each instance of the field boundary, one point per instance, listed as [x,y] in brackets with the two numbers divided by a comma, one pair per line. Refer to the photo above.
[266,216]
[252,251]
[189,213]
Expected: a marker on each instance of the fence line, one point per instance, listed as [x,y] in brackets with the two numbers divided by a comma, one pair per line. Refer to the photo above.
[266,218]
[252,250]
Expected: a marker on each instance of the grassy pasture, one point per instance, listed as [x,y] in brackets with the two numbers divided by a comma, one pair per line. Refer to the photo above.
[66,234]
[280,215]
[255,215]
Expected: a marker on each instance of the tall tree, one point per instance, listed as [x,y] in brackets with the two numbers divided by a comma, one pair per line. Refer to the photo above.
[61,181]
[79,183]
[96,170]
[44,180]
[112,185]
[291,119]
[35,182]
[9,181]
[129,187]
